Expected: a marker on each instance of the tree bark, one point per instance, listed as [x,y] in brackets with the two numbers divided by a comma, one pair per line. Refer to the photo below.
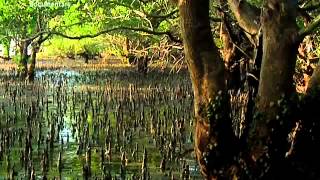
[216,148]
[246,14]
[271,124]
[35,49]
[248,18]
[24,59]
[31,71]
[215,143]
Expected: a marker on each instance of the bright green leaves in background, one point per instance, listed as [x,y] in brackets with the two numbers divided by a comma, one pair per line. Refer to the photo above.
[23,19]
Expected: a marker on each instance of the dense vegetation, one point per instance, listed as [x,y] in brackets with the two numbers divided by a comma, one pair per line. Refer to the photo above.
[253,68]
[123,27]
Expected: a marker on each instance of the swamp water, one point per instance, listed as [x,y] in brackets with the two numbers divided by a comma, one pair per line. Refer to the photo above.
[97,124]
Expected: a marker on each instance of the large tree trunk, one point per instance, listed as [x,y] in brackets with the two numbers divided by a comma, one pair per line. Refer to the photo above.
[35,49]
[272,122]
[216,147]
[215,143]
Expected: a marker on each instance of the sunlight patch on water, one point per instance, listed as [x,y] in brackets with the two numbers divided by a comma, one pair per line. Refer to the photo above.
[59,77]
[68,73]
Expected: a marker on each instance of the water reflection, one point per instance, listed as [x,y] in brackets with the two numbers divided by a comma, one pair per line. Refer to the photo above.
[97,124]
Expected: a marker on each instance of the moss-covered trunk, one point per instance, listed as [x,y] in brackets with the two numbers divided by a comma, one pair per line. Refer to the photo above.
[264,154]
[274,112]
[214,140]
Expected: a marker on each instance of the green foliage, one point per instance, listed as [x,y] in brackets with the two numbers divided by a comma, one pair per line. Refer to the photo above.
[218,42]
[93,47]
[23,19]
[16,59]
[300,23]
[116,47]
[257,3]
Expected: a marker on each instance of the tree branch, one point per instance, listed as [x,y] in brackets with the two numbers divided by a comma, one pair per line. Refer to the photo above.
[149,31]
[168,33]
[246,14]
[303,2]
[146,14]
[232,37]
[40,33]
[311,7]
[310,28]
[163,16]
